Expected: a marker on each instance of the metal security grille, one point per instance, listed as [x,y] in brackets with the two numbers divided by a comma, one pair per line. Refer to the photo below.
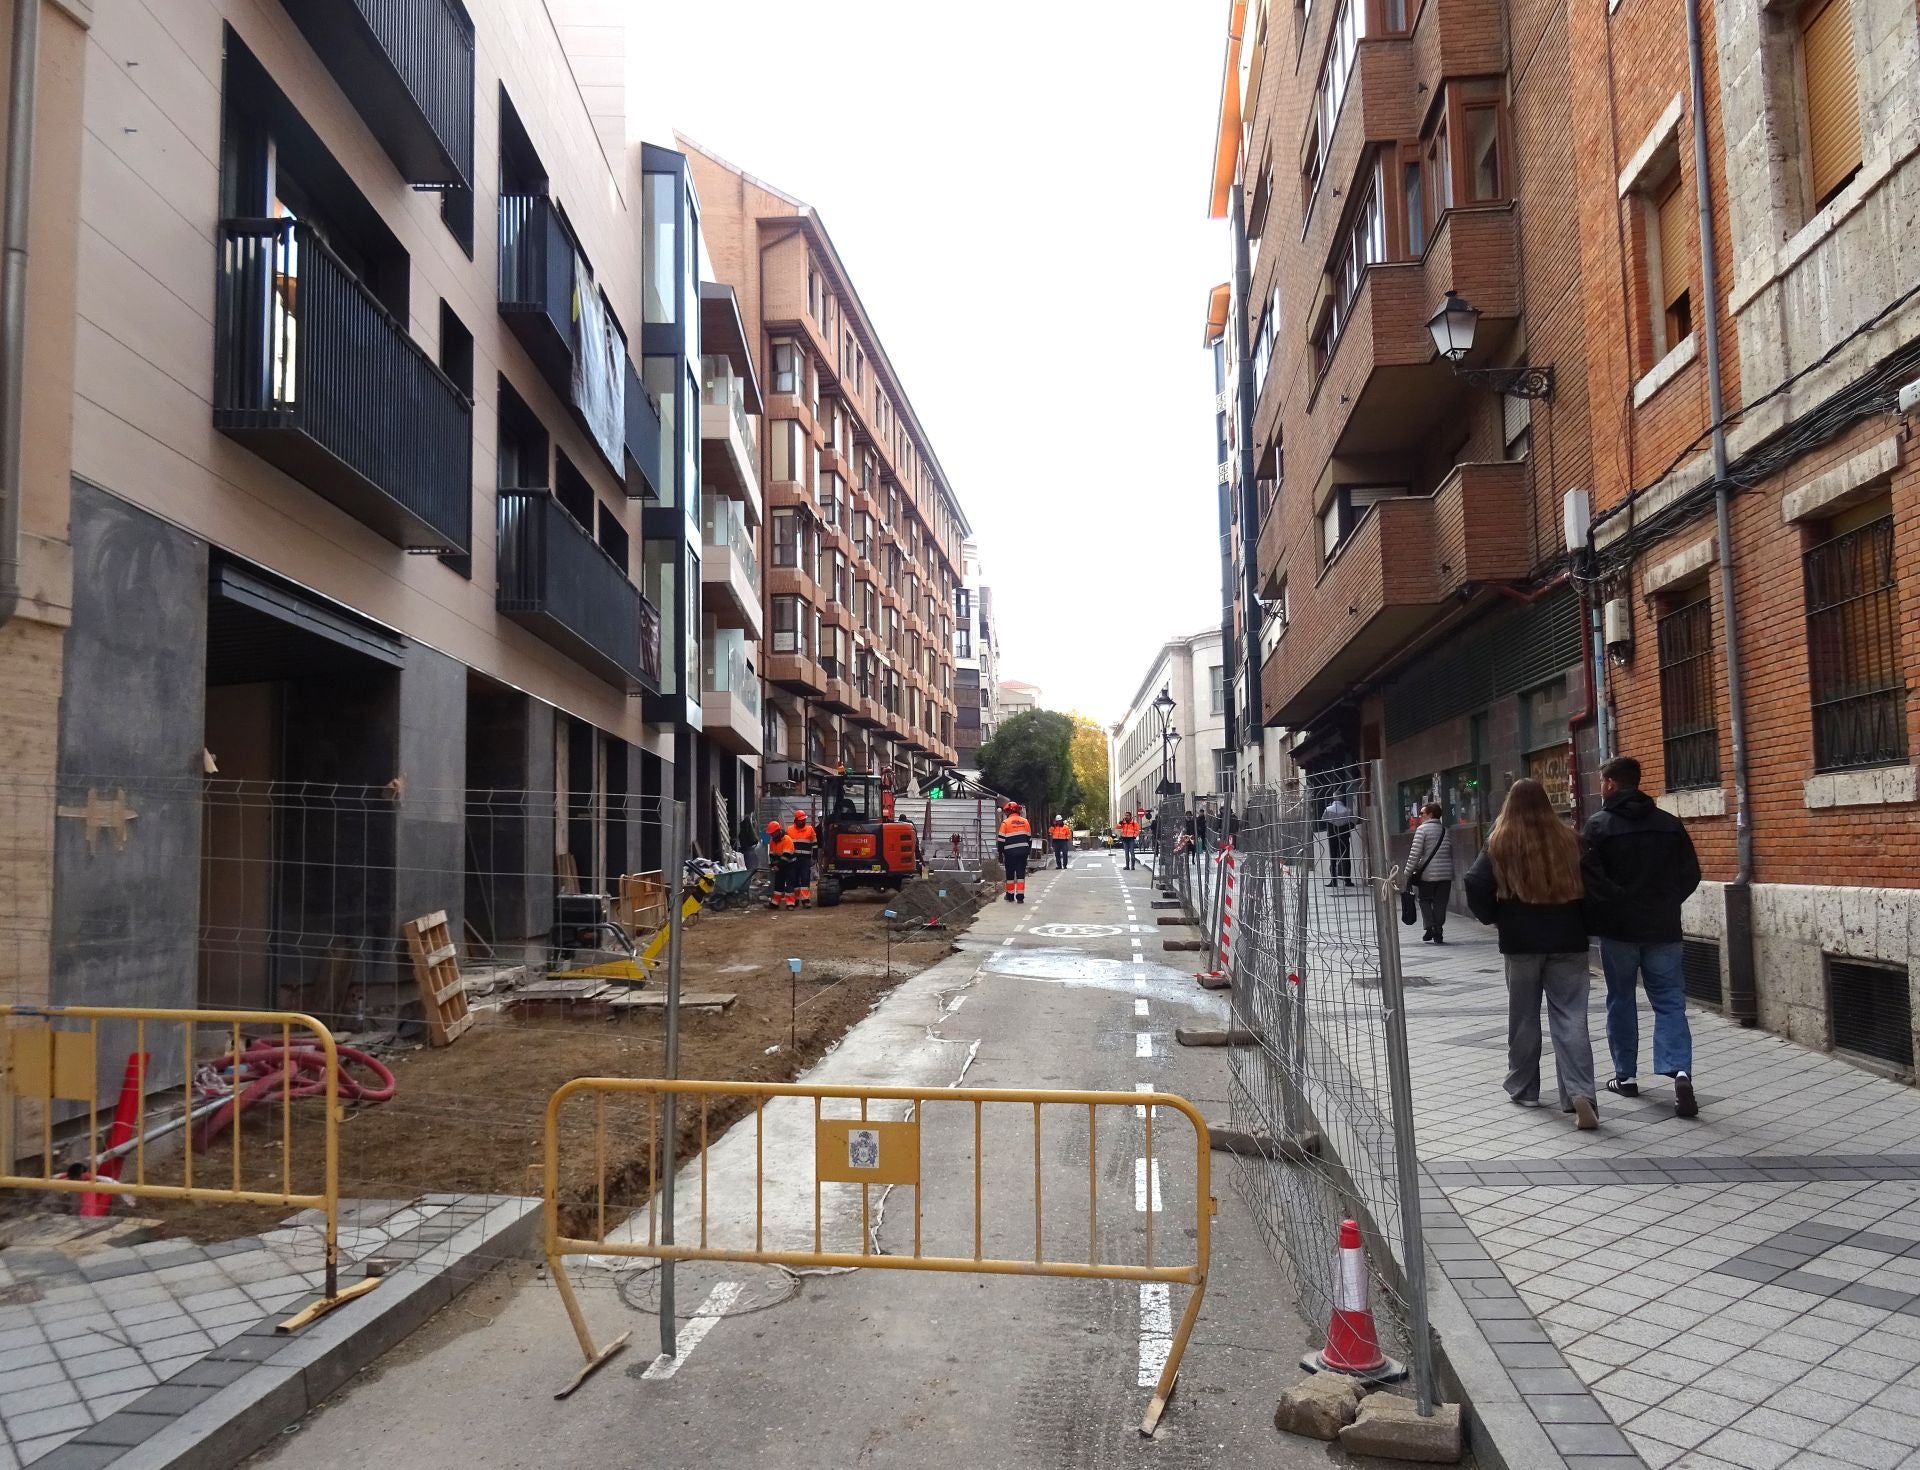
[1853,650]
[1870,1007]
[1517,651]
[1700,970]
[1689,726]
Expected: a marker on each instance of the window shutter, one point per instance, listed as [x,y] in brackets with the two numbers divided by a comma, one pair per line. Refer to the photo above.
[1673,241]
[1833,98]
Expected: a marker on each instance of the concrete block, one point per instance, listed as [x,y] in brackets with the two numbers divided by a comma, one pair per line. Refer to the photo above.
[1319,1406]
[1392,1428]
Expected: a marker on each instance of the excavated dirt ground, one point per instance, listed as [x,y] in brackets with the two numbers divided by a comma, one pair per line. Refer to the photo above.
[471,1117]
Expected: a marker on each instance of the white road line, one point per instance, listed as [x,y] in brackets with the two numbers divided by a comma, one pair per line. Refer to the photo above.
[699,1325]
[1156,1330]
[1139,958]
[1139,1111]
[1141,1176]
[956,1003]
[1134,942]
[1143,1044]
[1139,1008]
[1022,928]
[1005,942]
[1139,982]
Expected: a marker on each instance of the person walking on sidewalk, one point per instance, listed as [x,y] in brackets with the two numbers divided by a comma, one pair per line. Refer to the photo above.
[1640,867]
[1129,835]
[1061,835]
[1527,884]
[1430,871]
[1340,822]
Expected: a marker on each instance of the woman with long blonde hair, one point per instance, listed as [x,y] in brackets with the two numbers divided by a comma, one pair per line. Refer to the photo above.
[1526,883]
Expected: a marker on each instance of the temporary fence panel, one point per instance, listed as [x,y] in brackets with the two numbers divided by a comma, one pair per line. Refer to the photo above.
[169,1147]
[801,1150]
[1317,984]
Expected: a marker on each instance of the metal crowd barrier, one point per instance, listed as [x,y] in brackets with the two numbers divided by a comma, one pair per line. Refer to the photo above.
[870,1152]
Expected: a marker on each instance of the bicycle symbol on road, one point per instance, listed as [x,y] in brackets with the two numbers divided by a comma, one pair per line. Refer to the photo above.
[1076,931]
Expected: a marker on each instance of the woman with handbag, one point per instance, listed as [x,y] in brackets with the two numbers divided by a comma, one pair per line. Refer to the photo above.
[1429,874]
[1527,885]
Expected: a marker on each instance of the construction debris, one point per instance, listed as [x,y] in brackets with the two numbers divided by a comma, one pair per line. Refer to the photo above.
[1393,1428]
[1320,1406]
[436,970]
[656,1000]
[1246,1145]
[1210,1036]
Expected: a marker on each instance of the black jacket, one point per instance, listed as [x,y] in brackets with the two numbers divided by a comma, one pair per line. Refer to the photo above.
[1525,928]
[1639,868]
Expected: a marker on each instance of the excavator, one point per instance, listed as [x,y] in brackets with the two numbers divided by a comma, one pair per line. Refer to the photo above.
[862,843]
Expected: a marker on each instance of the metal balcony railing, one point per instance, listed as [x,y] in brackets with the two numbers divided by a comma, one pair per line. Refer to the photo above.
[643,438]
[536,285]
[314,375]
[557,581]
[407,67]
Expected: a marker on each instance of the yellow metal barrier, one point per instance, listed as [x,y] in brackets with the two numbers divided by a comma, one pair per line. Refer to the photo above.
[873,1152]
[52,1055]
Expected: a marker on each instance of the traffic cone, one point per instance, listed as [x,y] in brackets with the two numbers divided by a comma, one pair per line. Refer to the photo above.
[94,1206]
[1353,1344]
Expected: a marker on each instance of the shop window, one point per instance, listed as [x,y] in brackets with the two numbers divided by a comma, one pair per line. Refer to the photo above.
[1857,677]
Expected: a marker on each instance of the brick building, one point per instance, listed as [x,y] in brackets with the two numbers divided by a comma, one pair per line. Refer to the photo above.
[1403,512]
[863,537]
[1811,152]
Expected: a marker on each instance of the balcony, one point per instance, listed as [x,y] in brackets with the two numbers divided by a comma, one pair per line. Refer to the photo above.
[1405,565]
[315,376]
[1384,391]
[839,697]
[557,582]
[407,67]
[536,285]
[730,460]
[730,693]
[796,672]
[729,566]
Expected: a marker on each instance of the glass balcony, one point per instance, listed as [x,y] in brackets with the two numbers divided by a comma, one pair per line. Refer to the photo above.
[724,524]
[729,669]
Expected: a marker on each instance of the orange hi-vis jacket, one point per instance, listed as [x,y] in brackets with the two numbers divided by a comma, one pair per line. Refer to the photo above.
[802,839]
[1129,827]
[780,846]
[1060,832]
[1015,831]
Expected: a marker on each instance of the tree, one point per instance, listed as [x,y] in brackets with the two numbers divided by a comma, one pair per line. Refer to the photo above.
[1030,758]
[1089,754]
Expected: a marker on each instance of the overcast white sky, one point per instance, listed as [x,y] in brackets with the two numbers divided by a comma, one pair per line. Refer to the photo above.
[1019,189]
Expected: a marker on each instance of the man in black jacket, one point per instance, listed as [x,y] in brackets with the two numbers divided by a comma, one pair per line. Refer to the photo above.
[1639,868]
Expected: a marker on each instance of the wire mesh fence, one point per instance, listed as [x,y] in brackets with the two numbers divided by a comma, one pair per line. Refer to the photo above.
[1316,982]
[539,914]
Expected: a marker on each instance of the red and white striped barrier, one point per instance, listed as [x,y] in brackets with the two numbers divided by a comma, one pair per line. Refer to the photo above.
[1222,947]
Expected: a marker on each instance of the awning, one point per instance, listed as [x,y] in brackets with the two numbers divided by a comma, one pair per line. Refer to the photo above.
[1226,147]
[1218,300]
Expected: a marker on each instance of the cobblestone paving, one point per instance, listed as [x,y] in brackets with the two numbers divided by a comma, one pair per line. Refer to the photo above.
[1740,1291]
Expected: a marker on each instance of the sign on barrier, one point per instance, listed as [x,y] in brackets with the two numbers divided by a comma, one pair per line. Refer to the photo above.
[874,1152]
[53,1055]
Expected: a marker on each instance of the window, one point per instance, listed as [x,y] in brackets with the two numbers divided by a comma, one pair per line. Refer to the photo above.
[963,604]
[659,211]
[963,643]
[1349,25]
[792,626]
[1668,268]
[784,536]
[1832,97]
[1689,723]
[1516,426]
[1363,244]
[1217,689]
[786,450]
[1263,342]
[1415,209]
[456,351]
[789,368]
[1222,772]
[1853,644]
[520,443]
[1483,152]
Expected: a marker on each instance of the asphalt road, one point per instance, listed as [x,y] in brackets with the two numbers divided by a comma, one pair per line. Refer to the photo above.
[899,1368]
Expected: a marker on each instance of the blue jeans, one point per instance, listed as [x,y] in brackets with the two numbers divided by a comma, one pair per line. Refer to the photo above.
[1658,965]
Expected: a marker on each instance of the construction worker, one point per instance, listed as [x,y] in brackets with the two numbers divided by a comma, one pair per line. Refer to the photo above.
[780,859]
[805,841]
[1016,845]
[1129,835]
[1062,835]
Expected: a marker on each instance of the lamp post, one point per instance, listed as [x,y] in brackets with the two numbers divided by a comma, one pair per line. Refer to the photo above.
[1163,712]
[1452,328]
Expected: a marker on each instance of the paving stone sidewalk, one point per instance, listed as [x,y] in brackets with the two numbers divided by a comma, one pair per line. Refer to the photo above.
[1739,1291]
[100,1354]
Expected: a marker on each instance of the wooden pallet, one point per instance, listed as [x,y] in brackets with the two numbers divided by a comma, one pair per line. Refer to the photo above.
[443,995]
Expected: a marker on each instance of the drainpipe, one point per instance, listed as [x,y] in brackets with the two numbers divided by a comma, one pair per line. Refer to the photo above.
[1742,996]
[22,79]
[1244,404]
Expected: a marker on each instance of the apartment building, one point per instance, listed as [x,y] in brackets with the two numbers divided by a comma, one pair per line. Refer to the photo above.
[1016,696]
[863,533]
[1761,586]
[1392,535]
[1183,696]
[976,658]
[381,347]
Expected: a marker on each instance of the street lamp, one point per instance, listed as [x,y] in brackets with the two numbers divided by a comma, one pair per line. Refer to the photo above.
[1163,712]
[1452,328]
